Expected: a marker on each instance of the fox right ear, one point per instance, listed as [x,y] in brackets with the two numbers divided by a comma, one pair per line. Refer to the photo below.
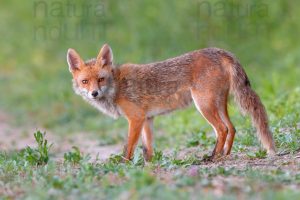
[74,60]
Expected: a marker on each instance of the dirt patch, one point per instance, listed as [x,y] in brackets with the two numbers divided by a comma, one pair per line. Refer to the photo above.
[88,144]
[14,138]
[242,161]
[231,174]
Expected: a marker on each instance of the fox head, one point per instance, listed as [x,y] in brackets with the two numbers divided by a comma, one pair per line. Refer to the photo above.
[92,79]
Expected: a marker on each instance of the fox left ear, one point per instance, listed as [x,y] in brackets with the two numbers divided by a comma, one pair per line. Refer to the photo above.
[105,56]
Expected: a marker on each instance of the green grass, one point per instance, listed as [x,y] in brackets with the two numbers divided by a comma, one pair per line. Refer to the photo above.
[167,177]
[36,91]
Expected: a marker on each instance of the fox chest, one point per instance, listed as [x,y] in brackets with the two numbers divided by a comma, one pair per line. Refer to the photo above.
[107,107]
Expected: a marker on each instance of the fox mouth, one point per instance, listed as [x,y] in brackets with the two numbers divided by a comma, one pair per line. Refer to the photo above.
[95,98]
[99,97]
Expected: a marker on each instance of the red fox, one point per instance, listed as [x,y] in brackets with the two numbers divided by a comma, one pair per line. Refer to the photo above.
[139,92]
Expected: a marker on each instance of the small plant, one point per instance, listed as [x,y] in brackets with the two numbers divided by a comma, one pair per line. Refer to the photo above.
[259,154]
[193,142]
[247,138]
[39,155]
[138,159]
[200,138]
[115,159]
[74,156]
[157,157]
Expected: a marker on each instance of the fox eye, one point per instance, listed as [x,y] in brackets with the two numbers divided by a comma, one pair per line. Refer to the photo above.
[84,81]
[100,79]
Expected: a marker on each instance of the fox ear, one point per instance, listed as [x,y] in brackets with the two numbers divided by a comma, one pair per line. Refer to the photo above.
[74,60]
[105,56]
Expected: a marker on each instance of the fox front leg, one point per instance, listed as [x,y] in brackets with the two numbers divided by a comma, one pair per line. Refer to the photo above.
[147,139]
[134,131]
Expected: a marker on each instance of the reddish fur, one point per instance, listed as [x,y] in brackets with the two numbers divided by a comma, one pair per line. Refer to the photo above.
[140,92]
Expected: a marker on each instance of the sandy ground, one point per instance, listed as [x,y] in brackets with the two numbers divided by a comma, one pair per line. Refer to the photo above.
[14,138]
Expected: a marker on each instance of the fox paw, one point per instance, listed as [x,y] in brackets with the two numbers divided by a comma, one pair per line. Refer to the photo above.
[212,158]
[207,158]
[147,155]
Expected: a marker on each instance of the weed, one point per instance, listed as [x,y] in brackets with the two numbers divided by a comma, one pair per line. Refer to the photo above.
[258,154]
[39,155]
[288,139]
[199,138]
[73,157]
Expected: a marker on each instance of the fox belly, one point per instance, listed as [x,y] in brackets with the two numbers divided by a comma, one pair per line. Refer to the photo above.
[164,105]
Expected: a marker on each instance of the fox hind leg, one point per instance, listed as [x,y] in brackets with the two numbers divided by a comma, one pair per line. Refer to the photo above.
[231,129]
[207,105]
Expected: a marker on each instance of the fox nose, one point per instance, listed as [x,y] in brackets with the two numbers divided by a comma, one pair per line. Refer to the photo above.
[94,93]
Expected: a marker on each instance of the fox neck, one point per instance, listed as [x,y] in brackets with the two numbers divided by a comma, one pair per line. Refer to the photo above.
[105,104]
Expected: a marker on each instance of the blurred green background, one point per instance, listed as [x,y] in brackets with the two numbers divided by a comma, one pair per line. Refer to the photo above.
[35,84]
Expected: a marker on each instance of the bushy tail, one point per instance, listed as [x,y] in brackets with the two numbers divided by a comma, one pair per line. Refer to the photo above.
[251,104]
